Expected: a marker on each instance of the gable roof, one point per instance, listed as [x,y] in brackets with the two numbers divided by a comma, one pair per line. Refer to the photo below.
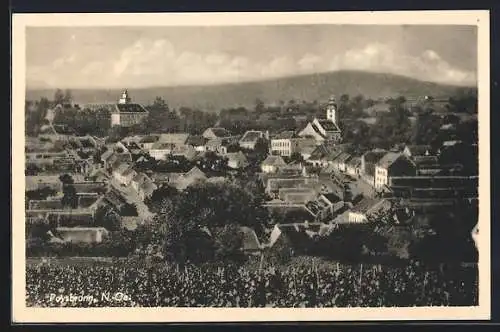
[194,172]
[251,136]
[328,125]
[342,157]
[319,152]
[389,158]
[219,132]
[250,239]
[366,204]
[288,134]
[140,178]
[237,157]
[418,150]
[149,139]
[273,160]
[122,168]
[354,162]
[106,155]
[374,156]
[177,138]
[196,140]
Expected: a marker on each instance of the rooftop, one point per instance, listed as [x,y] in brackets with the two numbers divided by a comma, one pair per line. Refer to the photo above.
[286,135]
[366,204]
[250,240]
[272,160]
[251,136]
[196,140]
[328,125]
[388,159]
[220,132]
[374,156]
[130,108]
[149,139]
[178,138]
[418,150]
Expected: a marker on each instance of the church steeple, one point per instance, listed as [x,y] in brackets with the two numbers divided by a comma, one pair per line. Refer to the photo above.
[331,110]
[124,99]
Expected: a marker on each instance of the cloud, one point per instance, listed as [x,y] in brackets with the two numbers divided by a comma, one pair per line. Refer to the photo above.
[378,57]
[63,61]
[147,62]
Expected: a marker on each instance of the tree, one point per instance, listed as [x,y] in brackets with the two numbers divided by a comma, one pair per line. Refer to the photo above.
[259,106]
[162,193]
[296,157]
[66,179]
[70,198]
[59,97]
[344,99]
[129,210]
[107,217]
[228,241]
[68,96]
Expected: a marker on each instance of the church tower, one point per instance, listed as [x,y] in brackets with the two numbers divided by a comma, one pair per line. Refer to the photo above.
[331,110]
[124,99]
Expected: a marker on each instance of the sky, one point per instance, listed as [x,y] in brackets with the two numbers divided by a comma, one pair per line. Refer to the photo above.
[134,57]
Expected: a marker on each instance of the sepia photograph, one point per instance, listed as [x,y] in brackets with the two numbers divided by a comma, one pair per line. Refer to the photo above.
[250,166]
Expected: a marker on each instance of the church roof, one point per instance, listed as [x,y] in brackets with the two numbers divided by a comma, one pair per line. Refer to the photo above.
[328,125]
[130,108]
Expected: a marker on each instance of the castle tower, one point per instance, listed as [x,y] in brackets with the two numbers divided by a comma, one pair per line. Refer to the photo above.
[331,110]
[124,99]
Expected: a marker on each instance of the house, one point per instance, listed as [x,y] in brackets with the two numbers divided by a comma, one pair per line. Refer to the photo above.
[325,206]
[220,145]
[297,195]
[124,174]
[131,147]
[318,157]
[427,165]
[285,144]
[251,244]
[416,150]
[189,178]
[250,139]
[37,182]
[143,185]
[146,189]
[176,139]
[126,114]
[392,164]
[89,188]
[368,162]
[106,157]
[146,143]
[79,234]
[367,207]
[274,184]
[272,164]
[340,161]
[237,160]
[306,147]
[160,150]
[353,167]
[197,142]
[216,132]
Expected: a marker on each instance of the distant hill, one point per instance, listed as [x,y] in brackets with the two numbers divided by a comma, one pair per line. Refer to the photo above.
[305,87]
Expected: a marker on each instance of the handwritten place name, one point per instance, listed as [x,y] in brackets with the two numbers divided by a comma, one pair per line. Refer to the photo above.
[106,297]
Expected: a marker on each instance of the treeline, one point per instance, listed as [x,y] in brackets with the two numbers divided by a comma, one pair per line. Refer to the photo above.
[404,123]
